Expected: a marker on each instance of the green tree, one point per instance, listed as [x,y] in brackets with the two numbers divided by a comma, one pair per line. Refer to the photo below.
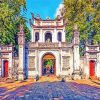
[86,14]
[10,20]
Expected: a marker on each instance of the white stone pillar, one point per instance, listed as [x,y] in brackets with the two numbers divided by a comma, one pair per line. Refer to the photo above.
[76,54]
[10,64]
[76,57]
[98,65]
[87,67]
[61,61]
[54,36]
[21,42]
[40,36]
[36,63]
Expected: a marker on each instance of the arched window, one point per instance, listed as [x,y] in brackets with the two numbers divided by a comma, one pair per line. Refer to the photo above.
[59,36]
[36,36]
[48,37]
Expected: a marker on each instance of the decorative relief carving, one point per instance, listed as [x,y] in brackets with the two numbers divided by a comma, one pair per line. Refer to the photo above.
[3,48]
[5,55]
[31,52]
[66,64]
[93,55]
[46,45]
[31,69]
[65,51]
[76,40]
[92,48]
[31,63]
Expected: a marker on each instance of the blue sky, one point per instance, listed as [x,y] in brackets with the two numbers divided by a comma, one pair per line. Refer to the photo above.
[43,7]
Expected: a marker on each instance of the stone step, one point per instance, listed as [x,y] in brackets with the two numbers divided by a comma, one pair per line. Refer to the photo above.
[93,78]
[50,78]
[6,79]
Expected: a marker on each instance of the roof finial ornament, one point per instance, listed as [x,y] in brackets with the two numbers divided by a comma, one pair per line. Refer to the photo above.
[32,15]
[58,17]
[30,22]
[48,18]
[38,16]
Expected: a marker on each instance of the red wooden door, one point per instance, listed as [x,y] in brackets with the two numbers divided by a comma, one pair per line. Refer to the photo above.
[92,68]
[5,68]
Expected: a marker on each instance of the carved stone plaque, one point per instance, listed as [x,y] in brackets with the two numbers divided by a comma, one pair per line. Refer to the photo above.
[93,55]
[66,62]
[31,63]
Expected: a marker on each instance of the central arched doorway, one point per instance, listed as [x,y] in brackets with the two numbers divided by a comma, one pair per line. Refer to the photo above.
[5,68]
[92,68]
[48,64]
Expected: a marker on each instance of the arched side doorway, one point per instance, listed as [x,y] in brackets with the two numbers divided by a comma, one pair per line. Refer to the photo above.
[48,64]
[92,68]
[5,68]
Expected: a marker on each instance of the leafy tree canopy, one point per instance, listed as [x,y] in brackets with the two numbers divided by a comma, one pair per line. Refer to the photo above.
[86,14]
[10,20]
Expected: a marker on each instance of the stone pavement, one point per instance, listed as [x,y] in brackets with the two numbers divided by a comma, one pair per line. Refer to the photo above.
[49,91]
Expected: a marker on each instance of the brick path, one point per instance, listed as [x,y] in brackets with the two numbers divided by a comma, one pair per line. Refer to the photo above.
[50,91]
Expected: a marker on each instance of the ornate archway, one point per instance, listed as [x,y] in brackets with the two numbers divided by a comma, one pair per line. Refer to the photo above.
[92,68]
[48,64]
[5,68]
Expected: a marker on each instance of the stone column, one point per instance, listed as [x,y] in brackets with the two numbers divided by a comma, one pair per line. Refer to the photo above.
[54,35]
[21,42]
[76,55]
[98,65]
[40,36]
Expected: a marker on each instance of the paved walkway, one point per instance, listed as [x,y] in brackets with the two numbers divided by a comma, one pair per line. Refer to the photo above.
[51,91]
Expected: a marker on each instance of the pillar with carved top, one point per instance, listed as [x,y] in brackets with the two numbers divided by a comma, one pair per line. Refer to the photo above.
[21,43]
[76,55]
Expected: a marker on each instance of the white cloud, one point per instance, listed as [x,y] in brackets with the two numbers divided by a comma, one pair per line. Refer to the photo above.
[58,10]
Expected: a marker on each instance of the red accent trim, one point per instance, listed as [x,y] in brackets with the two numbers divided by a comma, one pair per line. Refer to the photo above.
[6,68]
[92,68]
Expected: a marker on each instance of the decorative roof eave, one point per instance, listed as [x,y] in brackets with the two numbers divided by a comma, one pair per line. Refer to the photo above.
[48,26]
[92,45]
[82,57]
[4,58]
[10,45]
[90,51]
[39,19]
[6,51]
